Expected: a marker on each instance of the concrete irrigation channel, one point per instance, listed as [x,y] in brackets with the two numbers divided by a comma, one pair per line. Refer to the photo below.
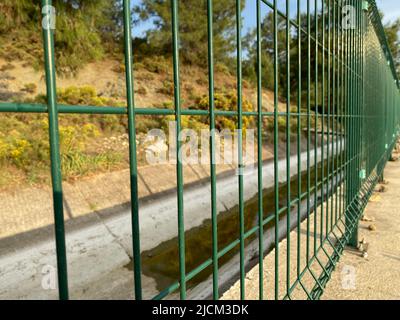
[100,247]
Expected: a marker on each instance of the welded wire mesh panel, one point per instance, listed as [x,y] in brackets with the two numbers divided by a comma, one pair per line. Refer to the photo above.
[334,123]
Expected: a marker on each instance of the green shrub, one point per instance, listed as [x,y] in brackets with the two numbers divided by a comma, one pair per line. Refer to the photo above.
[24,141]
[85,95]
[146,123]
[142,90]
[29,88]
[157,64]
[167,88]
[222,68]
[227,102]
[145,76]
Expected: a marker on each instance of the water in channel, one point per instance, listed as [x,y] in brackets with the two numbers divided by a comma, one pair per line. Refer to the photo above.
[162,262]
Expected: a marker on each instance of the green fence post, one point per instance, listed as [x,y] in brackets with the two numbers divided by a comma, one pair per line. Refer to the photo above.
[132,149]
[179,168]
[276,150]
[48,38]
[316,103]
[351,140]
[213,169]
[240,145]
[260,155]
[288,115]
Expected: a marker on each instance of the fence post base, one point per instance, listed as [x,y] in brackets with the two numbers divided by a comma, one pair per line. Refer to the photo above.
[353,241]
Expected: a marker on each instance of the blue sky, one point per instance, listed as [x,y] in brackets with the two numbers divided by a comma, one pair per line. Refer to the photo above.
[391,9]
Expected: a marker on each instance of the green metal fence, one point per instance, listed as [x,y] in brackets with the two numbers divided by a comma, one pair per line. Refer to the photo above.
[351,112]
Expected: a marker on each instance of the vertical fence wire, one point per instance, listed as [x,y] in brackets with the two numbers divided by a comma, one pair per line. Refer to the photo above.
[276,150]
[240,144]
[179,169]
[213,180]
[316,103]
[132,149]
[299,95]
[308,183]
[260,155]
[288,130]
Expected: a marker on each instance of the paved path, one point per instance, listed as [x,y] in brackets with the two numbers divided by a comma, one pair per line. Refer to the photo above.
[378,275]
[359,275]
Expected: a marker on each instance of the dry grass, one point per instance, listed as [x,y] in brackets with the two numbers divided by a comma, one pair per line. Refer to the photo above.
[109,80]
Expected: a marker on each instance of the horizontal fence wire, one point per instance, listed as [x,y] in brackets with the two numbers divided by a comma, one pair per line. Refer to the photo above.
[350,110]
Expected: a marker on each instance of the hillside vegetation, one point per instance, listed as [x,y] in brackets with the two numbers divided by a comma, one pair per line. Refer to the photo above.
[90,71]
[98,143]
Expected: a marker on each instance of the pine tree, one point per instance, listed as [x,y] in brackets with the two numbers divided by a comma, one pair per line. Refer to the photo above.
[192,27]
[267,53]
[85,30]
